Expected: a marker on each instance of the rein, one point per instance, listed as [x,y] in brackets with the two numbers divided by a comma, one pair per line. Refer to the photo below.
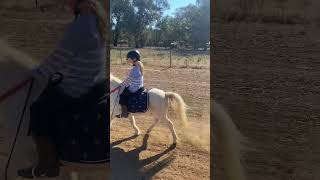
[114,90]
[9,93]
[14,90]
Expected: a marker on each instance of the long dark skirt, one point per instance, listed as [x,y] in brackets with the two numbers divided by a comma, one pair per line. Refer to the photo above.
[79,126]
[52,104]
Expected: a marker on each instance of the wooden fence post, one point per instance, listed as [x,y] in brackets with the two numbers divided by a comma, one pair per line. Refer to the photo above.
[170,57]
[120,57]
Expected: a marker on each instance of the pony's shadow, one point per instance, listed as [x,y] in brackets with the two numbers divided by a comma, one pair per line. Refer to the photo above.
[127,165]
[123,140]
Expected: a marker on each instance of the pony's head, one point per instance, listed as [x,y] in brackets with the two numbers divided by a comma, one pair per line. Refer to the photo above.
[114,79]
[115,107]
[14,63]
[15,67]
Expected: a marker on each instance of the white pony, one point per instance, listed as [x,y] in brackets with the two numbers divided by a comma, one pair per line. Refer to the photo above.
[158,107]
[14,68]
[228,139]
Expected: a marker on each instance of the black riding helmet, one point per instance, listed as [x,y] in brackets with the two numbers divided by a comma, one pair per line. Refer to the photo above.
[134,54]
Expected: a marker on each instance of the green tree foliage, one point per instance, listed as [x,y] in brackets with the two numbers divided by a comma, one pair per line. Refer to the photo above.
[146,12]
[190,25]
[121,11]
[141,23]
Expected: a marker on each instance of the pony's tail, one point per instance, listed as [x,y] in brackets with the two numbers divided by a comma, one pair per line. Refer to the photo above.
[178,105]
[229,140]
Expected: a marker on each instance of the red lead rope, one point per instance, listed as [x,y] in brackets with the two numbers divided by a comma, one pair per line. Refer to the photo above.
[14,89]
[114,90]
[23,84]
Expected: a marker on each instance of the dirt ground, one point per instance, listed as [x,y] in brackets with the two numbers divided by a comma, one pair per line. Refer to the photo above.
[190,159]
[267,78]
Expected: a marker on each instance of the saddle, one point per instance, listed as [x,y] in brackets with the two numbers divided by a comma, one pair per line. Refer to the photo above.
[139,102]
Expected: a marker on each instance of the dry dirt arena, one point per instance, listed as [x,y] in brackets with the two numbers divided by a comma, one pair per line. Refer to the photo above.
[151,157]
[267,78]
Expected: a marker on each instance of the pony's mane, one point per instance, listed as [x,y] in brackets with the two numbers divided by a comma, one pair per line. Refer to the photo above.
[13,54]
[113,78]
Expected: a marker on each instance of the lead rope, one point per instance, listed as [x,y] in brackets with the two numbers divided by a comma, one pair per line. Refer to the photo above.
[19,126]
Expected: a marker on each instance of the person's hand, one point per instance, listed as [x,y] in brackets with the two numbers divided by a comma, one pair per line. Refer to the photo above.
[36,73]
[121,84]
[38,76]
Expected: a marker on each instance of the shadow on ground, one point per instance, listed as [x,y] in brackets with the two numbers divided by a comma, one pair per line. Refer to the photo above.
[129,166]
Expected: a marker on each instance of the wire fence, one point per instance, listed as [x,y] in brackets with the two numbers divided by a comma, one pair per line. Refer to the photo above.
[165,57]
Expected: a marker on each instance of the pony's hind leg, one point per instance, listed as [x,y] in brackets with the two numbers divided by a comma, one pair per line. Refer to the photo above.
[133,123]
[173,131]
[156,121]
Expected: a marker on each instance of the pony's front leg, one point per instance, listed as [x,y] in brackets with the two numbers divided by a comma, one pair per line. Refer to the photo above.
[133,123]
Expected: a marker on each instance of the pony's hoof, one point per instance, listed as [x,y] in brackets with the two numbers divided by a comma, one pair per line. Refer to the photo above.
[173,146]
[137,133]
[118,116]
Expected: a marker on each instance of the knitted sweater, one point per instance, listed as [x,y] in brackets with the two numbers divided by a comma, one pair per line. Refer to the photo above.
[134,80]
[80,56]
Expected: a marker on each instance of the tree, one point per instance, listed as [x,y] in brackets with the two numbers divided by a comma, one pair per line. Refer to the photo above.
[166,30]
[142,24]
[120,12]
[145,13]
[193,24]
[202,27]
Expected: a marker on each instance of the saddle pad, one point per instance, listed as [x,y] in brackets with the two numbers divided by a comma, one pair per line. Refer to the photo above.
[139,103]
[84,136]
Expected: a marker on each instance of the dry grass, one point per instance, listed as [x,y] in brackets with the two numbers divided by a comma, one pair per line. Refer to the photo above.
[271,11]
[161,58]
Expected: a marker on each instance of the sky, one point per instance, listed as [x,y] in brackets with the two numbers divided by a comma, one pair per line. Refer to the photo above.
[175,4]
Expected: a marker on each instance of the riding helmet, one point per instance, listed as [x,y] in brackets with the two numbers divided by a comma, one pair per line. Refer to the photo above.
[134,54]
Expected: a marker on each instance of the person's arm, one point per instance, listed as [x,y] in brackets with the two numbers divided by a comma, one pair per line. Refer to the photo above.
[54,62]
[134,73]
[127,82]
